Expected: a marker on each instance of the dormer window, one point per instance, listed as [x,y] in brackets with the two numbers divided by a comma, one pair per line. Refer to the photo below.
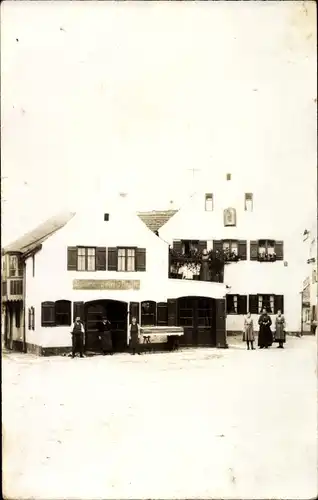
[208,202]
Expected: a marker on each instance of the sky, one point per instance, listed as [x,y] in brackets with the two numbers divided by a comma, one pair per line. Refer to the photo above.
[107,97]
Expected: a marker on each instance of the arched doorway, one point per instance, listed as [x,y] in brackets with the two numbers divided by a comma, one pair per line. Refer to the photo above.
[197,316]
[116,311]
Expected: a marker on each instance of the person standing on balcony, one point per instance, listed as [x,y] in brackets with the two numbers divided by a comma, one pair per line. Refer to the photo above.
[205,270]
[134,332]
[78,338]
[265,336]
[248,332]
[280,325]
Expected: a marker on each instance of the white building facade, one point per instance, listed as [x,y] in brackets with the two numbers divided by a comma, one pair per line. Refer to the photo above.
[229,215]
[310,284]
[101,261]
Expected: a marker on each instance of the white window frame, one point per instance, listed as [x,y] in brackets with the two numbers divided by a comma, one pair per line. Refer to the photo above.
[86,259]
[126,259]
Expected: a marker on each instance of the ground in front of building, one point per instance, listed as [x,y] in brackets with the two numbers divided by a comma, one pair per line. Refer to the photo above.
[192,423]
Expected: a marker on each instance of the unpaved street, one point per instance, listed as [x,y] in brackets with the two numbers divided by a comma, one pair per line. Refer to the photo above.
[195,423]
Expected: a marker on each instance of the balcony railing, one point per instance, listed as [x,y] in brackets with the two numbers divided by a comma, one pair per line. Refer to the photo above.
[266,257]
[201,266]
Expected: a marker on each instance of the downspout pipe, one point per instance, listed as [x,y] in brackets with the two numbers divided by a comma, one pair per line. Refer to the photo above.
[23,306]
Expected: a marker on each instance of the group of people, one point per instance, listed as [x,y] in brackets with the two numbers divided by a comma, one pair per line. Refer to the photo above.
[265,336]
[105,336]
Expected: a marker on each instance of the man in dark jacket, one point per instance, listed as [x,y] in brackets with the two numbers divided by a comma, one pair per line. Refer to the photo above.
[105,335]
[78,338]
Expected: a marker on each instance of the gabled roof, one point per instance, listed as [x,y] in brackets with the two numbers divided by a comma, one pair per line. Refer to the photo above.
[156,219]
[30,240]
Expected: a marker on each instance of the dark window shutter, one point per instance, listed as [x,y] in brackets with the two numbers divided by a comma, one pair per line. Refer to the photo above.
[278,303]
[242,304]
[177,246]
[253,304]
[48,314]
[33,318]
[112,259]
[279,250]
[141,259]
[29,319]
[220,328]
[242,249]
[217,245]
[172,312]
[100,259]
[202,245]
[162,314]
[134,311]
[71,258]
[78,310]
[253,250]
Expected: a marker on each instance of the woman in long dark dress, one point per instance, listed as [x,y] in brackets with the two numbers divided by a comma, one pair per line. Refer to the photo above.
[134,331]
[106,336]
[204,269]
[265,336]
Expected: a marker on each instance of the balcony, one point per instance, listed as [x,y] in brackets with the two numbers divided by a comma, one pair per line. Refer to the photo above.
[266,257]
[12,289]
[198,265]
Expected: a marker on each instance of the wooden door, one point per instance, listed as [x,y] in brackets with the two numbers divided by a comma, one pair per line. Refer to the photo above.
[93,314]
[220,323]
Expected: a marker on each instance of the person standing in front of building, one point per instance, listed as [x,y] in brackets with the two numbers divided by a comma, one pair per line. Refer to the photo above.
[280,325]
[105,335]
[134,332]
[248,332]
[265,336]
[78,338]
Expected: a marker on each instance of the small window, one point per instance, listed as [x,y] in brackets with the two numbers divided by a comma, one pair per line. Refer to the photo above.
[228,177]
[126,259]
[106,217]
[248,202]
[209,202]
[62,313]
[231,304]
[266,302]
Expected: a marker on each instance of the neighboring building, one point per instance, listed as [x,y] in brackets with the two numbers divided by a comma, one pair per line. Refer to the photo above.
[263,256]
[91,263]
[310,285]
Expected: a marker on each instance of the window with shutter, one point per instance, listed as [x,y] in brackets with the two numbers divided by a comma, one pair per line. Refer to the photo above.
[279,304]
[63,313]
[172,312]
[279,250]
[100,259]
[162,314]
[78,310]
[242,249]
[141,259]
[242,304]
[177,246]
[202,245]
[218,245]
[254,250]
[112,259]
[72,258]
[134,311]
[253,304]
[48,314]
[231,304]
[148,313]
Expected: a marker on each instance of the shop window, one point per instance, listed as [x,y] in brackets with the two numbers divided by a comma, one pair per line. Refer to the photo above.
[62,313]
[148,313]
